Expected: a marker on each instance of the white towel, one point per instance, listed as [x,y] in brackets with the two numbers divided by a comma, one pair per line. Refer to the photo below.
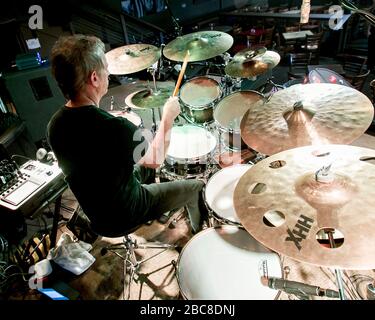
[72,256]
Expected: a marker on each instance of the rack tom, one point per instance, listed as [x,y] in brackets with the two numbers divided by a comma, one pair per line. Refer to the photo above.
[198,97]
[228,115]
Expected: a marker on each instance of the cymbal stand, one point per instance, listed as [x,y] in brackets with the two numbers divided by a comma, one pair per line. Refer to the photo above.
[274,86]
[338,272]
[155,92]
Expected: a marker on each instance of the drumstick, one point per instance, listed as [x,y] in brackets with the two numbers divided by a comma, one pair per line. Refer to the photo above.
[183,68]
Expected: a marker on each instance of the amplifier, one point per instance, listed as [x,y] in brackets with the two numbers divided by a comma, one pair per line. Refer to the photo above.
[27,188]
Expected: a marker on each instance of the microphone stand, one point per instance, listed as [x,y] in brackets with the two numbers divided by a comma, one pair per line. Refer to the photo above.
[177,27]
[338,272]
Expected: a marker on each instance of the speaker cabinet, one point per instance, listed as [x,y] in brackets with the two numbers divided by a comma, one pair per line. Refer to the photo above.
[36,97]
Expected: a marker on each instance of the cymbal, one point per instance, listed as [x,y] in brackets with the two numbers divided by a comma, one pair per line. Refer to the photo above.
[149,99]
[132,58]
[306,114]
[289,186]
[201,45]
[250,54]
[242,67]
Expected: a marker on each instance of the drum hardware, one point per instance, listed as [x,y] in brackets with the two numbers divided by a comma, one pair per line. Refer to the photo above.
[112,103]
[274,86]
[329,114]
[298,288]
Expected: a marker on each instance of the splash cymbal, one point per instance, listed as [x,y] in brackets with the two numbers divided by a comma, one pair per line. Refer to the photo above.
[201,45]
[306,201]
[250,54]
[242,67]
[306,114]
[132,58]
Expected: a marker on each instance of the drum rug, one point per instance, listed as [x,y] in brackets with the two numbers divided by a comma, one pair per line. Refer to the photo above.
[157,281]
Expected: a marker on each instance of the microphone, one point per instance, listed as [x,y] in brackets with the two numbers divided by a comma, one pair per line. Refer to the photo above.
[298,288]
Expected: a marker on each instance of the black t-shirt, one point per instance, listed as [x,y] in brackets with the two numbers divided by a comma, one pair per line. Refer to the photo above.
[94,149]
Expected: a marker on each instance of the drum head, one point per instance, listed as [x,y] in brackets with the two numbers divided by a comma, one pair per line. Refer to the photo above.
[220,188]
[230,110]
[226,263]
[189,141]
[131,116]
[200,92]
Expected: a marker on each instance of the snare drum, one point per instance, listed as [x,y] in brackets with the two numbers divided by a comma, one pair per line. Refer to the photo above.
[198,96]
[219,192]
[129,115]
[190,151]
[228,115]
[226,263]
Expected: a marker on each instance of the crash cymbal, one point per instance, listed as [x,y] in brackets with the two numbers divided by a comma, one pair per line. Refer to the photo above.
[132,58]
[242,67]
[306,201]
[148,99]
[250,54]
[201,45]
[306,114]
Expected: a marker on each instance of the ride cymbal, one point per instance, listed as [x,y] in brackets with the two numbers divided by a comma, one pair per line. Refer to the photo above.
[132,58]
[306,114]
[290,200]
[201,45]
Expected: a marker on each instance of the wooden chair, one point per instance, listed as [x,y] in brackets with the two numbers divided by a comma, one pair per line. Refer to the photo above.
[353,65]
[312,45]
[287,46]
[372,87]
[266,40]
[358,81]
[298,63]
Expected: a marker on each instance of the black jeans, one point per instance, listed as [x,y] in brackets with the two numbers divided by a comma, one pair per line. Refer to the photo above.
[167,196]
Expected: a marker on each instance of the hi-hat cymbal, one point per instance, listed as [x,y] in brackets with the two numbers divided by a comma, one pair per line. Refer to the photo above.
[201,45]
[242,67]
[306,114]
[306,202]
[132,58]
[149,99]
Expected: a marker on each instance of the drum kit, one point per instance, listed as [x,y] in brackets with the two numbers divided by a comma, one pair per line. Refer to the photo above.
[304,194]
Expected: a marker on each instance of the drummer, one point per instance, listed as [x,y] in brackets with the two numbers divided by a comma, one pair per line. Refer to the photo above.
[96,150]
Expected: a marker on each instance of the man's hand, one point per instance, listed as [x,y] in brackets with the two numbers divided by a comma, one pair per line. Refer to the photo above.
[171,109]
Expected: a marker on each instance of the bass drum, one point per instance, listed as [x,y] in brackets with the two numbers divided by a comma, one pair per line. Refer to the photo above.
[226,263]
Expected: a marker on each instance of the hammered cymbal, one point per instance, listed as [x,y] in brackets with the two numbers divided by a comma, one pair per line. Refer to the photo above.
[132,58]
[306,114]
[242,67]
[201,45]
[149,99]
[287,185]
